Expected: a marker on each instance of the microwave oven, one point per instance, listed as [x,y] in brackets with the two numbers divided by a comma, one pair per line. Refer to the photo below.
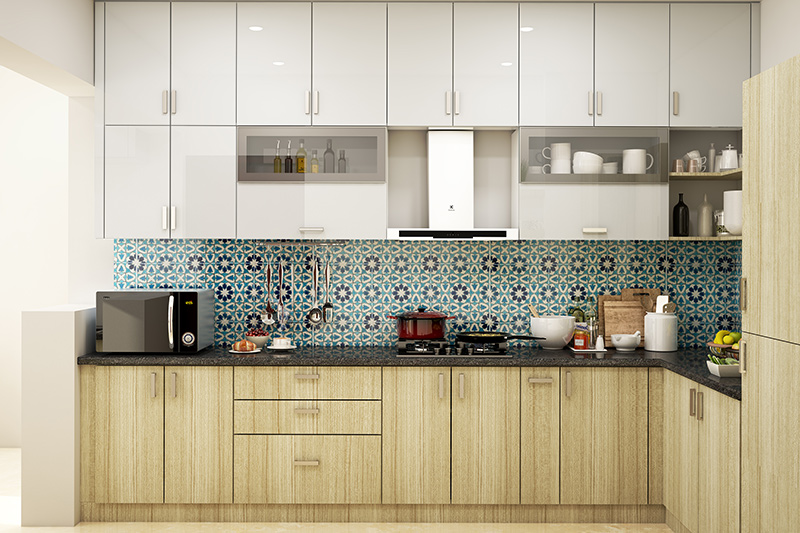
[154,321]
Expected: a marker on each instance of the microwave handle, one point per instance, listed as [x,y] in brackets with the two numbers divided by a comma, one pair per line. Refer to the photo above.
[169,321]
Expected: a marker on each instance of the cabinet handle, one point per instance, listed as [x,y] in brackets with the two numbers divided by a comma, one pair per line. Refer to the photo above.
[306,410]
[308,102]
[306,463]
[164,102]
[448,103]
[306,376]
[692,408]
[457,102]
[171,321]
[441,386]
[172,217]
[569,384]
[599,103]
[316,102]
[742,356]
[174,102]
[591,103]
[742,294]
[540,380]
[152,384]
[174,384]
[595,231]
[163,217]
[310,230]
[461,386]
[675,103]
[699,405]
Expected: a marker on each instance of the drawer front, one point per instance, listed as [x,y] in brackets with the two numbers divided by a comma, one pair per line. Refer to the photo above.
[307,383]
[307,469]
[307,417]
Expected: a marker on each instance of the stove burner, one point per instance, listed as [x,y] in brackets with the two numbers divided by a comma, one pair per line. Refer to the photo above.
[440,347]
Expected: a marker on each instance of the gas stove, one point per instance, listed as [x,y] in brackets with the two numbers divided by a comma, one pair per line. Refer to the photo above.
[443,348]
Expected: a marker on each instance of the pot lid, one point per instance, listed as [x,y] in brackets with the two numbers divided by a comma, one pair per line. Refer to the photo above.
[421,314]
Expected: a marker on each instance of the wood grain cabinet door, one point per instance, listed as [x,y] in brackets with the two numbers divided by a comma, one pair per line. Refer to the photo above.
[680,449]
[485,433]
[416,435]
[604,436]
[198,435]
[540,443]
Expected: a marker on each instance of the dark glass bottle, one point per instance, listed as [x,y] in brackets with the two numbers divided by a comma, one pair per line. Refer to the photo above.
[287,163]
[680,218]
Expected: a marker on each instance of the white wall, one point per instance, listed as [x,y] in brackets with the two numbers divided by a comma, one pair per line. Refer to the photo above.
[780,38]
[59,31]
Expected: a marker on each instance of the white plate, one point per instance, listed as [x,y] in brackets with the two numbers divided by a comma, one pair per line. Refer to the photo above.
[576,350]
[239,351]
[290,347]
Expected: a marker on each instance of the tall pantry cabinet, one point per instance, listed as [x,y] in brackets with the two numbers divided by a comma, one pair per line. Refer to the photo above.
[770,284]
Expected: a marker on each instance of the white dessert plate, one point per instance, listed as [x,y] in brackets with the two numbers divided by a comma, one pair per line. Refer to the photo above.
[290,347]
[249,351]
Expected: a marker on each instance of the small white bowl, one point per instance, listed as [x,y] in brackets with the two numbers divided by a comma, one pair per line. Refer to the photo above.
[626,342]
[258,341]
[556,331]
[587,168]
[723,371]
[587,157]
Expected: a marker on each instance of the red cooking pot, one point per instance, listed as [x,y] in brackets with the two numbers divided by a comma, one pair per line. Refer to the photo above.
[421,324]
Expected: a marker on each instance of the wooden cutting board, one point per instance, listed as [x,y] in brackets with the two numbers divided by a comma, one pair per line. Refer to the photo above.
[601,304]
[641,295]
[623,317]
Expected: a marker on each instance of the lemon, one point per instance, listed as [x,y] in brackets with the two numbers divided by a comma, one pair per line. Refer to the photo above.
[727,339]
[735,346]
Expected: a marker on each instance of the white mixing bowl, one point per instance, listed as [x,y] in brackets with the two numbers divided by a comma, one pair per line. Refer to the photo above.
[556,331]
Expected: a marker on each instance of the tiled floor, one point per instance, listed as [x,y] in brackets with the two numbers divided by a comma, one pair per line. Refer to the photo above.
[10,519]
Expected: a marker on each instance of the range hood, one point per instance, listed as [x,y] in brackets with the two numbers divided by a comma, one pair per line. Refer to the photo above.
[451,192]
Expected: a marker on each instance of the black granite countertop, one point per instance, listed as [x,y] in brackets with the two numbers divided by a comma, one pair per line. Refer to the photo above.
[690,362]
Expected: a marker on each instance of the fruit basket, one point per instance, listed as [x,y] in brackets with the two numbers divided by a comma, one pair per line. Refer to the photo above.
[723,350]
[723,371]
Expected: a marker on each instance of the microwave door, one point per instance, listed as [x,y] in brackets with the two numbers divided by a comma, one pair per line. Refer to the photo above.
[135,322]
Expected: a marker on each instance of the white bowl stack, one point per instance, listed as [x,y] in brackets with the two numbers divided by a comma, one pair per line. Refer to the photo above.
[587,163]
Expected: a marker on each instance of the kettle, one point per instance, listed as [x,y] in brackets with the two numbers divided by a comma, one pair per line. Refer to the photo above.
[730,158]
[660,332]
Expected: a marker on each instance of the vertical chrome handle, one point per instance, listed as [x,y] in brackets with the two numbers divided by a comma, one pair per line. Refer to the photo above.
[441,386]
[569,384]
[174,384]
[448,102]
[742,294]
[461,386]
[174,102]
[172,217]
[163,217]
[699,405]
[599,103]
[742,356]
[457,102]
[591,103]
[170,312]
[307,101]
[675,101]
[164,102]
[692,407]
[316,102]
[152,384]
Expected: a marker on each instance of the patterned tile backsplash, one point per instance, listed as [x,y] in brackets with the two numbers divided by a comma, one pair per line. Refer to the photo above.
[485,285]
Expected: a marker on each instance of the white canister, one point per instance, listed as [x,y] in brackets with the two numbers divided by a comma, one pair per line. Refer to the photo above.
[732,201]
[660,332]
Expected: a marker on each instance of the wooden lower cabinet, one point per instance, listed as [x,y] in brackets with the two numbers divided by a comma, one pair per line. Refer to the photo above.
[701,456]
[283,469]
[540,436]
[416,435]
[485,435]
[604,438]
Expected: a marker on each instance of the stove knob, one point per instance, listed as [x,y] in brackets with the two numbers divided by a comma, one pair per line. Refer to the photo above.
[442,350]
[470,350]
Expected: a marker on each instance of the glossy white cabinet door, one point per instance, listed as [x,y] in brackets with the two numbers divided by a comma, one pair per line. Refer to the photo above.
[274,63]
[349,67]
[346,210]
[631,64]
[269,210]
[137,182]
[485,64]
[556,79]
[420,65]
[203,63]
[203,182]
[709,61]
[137,62]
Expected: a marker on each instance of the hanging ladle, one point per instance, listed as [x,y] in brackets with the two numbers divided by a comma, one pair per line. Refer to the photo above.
[268,314]
[327,307]
[314,316]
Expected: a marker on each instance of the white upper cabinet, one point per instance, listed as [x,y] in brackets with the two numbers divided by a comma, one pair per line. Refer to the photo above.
[556,79]
[203,63]
[420,69]
[274,63]
[709,61]
[203,183]
[137,62]
[631,64]
[349,67]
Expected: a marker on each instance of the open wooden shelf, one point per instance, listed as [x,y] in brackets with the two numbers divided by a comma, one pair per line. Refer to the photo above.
[716,238]
[735,174]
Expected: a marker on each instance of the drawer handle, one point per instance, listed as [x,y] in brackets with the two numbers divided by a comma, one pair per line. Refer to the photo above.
[441,386]
[692,408]
[310,230]
[699,405]
[569,385]
[595,231]
[306,463]
[306,376]
[307,411]
[152,384]
[540,380]
[461,386]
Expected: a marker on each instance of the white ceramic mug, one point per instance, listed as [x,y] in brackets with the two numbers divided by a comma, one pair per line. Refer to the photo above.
[634,161]
[560,166]
[732,206]
[611,168]
[558,151]
[701,163]
[281,342]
